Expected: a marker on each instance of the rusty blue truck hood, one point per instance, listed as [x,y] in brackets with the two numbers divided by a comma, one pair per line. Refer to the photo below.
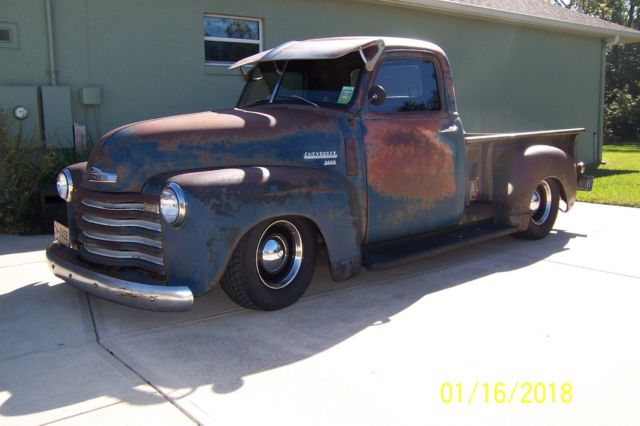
[271,135]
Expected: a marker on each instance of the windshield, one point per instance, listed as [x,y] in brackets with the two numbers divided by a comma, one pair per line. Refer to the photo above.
[327,82]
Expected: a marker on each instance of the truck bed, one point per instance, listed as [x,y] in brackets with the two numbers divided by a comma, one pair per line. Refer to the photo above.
[484,150]
[471,138]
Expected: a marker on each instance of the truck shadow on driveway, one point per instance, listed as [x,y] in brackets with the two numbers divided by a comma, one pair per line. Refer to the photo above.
[9,244]
[218,347]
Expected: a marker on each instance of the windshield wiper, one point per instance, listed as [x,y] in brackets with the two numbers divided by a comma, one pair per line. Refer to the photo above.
[300,98]
[306,100]
[258,102]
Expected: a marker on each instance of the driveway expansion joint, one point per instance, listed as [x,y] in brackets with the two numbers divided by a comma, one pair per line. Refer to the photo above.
[130,368]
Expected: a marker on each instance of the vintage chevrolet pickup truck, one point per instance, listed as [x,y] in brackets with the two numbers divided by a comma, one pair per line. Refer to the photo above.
[350,145]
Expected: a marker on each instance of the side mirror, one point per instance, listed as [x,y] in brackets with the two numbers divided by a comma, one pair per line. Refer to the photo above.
[376,95]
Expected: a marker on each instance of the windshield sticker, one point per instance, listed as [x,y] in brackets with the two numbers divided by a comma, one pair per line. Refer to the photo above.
[345,94]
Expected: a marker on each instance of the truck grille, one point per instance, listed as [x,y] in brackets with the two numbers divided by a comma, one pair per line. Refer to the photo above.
[120,230]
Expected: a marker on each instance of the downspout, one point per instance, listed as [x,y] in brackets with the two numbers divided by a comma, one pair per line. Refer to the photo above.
[52,59]
[598,140]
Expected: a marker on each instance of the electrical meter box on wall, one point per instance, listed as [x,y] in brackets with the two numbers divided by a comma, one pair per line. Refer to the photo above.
[91,96]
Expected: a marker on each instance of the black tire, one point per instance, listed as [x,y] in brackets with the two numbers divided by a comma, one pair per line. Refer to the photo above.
[544,216]
[272,266]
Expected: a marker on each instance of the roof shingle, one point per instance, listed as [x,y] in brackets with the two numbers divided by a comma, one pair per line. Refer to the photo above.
[532,12]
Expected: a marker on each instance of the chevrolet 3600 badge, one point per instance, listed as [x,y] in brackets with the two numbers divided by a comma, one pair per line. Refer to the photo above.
[351,145]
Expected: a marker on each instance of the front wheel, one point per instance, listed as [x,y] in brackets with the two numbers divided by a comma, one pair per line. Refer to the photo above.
[272,265]
[544,210]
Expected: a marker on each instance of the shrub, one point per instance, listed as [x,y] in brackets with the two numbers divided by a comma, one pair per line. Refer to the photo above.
[622,115]
[26,166]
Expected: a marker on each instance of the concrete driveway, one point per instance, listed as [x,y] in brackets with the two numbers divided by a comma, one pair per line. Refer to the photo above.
[507,332]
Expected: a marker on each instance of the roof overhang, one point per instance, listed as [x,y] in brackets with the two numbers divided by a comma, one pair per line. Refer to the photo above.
[611,35]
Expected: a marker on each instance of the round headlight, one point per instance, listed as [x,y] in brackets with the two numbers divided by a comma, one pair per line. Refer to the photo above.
[172,204]
[64,184]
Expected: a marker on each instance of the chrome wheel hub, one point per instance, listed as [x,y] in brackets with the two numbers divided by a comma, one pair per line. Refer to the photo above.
[279,254]
[540,205]
[274,254]
[535,201]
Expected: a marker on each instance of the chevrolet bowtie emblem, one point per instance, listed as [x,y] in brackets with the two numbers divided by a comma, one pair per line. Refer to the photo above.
[97,175]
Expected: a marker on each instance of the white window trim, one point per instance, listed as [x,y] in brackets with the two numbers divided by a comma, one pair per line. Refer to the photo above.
[233,40]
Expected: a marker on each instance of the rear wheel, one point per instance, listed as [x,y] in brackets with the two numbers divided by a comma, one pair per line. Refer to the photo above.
[272,265]
[544,210]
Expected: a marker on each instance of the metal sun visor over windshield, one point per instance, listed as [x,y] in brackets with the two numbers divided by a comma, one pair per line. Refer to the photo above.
[369,48]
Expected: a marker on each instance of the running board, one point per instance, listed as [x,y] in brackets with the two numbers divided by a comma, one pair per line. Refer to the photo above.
[399,252]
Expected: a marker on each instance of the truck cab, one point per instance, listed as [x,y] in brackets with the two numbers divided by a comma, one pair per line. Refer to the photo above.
[352,145]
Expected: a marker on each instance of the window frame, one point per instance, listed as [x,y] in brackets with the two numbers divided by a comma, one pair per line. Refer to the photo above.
[259,42]
[409,55]
[352,105]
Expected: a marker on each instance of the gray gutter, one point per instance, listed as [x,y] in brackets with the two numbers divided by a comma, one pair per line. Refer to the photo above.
[599,139]
[52,59]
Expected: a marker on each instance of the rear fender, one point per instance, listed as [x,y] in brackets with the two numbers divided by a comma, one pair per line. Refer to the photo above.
[224,204]
[517,175]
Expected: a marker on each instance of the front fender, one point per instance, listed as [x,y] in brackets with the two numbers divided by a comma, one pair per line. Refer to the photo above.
[77,174]
[517,176]
[224,204]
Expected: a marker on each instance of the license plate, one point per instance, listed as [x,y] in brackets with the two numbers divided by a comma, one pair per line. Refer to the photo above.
[61,234]
[585,183]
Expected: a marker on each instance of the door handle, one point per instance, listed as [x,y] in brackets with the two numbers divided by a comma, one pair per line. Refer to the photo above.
[451,129]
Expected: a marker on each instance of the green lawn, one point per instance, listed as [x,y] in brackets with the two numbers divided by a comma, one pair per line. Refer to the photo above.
[618,181]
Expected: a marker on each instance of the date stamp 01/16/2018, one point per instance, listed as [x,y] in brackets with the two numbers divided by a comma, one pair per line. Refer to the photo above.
[502,393]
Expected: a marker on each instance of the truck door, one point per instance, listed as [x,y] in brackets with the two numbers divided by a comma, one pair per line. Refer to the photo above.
[414,151]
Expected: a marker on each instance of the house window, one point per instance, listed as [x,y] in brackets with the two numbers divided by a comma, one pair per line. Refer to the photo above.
[8,34]
[228,39]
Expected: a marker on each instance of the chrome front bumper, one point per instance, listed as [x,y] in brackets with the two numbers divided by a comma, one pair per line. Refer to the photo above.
[129,293]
